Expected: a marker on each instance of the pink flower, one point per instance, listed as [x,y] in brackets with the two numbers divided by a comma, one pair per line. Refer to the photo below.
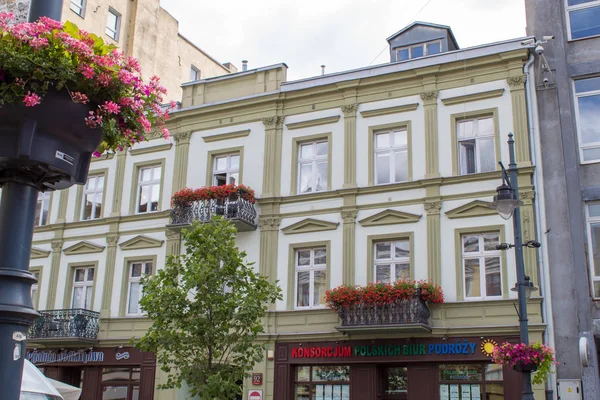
[104,79]
[126,77]
[86,70]
[94,120]
[166,133]
[51,23]
[173,105]
[145,123]
[19,82]
[79,97]
[133,64]
[31,99]
[111,107]
[38,43]
[97,154]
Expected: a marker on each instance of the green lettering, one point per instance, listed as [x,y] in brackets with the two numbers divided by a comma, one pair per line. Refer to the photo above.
[405,350]
[422,349]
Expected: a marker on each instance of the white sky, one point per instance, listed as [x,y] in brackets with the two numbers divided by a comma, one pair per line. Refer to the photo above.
[342,34]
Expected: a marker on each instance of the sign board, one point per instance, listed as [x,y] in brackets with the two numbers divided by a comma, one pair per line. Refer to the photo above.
[257,378]
[255,394]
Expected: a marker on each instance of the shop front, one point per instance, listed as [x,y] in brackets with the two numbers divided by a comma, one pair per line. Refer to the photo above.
[394,369]
[109,373]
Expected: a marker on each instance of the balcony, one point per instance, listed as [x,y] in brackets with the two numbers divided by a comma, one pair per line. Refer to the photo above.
[234,204]
[59,326]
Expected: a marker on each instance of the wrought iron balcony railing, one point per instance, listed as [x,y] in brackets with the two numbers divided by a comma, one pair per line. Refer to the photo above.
[76,323]
[240,211]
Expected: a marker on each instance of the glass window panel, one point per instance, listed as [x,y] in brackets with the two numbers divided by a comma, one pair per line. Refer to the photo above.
[115,374]
[87,207]
[402,54]
[320,287]
[494,390]
[88,298]
[303,374]
[585,22]
[156,173]
[144,198]
[402,271]
[382,166]
[90,274]
[320,256]
[433,48]
[493,281]
[135,395]
[594,210]
[146,174]
[234,162]
[485,126]
[98,210]
[589,118]
[472,278]
[322,148]
[596,288]
[90,184]
[401,166]
[400,138]
[417,51]
[383,250]
[220,163]
[587,85]
[465,129]
[306,150]
[467,157]
[331,373]
[396,380]
[77,297]
[576,2]
[470,244]
[303,299]
[596,248]
[148,269]
[100,182]
[134,297]
[112,20]
[303,257]
[79,275]
[114,393]
[155,195]
[321,178]
[233,178]
[490,241]
[136,270]
[461,372]
[591,154]
[402,249]
[382,140]
[382,273]
[306,178]
[302,392]
[493,372]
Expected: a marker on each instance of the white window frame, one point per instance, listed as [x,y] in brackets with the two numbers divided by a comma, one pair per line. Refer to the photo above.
[196,72]
[43,198]
[392,150]
[150,184]
[477,137]
[312,267]
[591,4]
[78,7]
[111,32]
[86,284]
[131,280]
[95,191]
[424,45]
[228,171]
[313,161]
[392,261]
[35,295]
[481,255]
[590,222]
[582,146]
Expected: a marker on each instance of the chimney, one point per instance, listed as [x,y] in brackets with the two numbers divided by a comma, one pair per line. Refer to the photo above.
[323,69]
[244,65]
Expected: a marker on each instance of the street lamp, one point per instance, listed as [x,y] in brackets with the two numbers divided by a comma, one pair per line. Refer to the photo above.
[506,203]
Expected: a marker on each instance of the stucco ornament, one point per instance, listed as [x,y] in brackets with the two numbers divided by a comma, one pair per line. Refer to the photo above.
[270,122]
[516,82]
[429,96]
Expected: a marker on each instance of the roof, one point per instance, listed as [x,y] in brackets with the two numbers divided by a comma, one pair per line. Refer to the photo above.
[446,27]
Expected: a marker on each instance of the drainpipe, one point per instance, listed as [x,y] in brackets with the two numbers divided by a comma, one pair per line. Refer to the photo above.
[540,210]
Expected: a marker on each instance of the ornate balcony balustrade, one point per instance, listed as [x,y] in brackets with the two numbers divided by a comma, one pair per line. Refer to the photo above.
[240,211]
[61,325]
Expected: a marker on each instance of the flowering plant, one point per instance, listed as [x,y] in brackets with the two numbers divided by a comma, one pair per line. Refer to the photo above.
[379,293]
[186,196]
[46,55]
[521,354]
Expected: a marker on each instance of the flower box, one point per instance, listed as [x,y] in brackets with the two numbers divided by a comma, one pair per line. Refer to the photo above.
[529,358]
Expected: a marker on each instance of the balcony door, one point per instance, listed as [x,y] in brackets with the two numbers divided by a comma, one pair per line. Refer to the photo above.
[83,284]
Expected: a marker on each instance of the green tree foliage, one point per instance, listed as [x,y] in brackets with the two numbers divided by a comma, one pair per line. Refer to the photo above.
[207,308]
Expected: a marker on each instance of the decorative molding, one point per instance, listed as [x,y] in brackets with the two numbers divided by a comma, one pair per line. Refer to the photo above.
[476,208]
[313,122]
[389,217]
[516,82]
[349,110]
[527,195]
[83,247]
[112,240]
[140,242]
[104,157]
[172,235]
[389,110]
[272,122]
[310,225]
[433,207]
[155,134]
[430,96]
[269,223]
[151,149]
[473,97]
[57,245]
[226,136]
[349,216]
[182,136]
[39,253]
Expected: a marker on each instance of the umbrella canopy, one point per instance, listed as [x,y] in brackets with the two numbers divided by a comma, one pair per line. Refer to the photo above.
[35,384]
[68,392]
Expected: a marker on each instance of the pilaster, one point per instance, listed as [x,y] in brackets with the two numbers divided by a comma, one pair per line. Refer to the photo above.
[119,179]
[519,109]
[272,163]
[349,245]
[57,246]
[269,238]
[61,217]
[182,150]
[432,169]
[109,274]
[434,260]
[349,111]
[530,258]
[173,243]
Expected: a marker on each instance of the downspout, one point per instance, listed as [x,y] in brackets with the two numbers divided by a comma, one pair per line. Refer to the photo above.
[540,211]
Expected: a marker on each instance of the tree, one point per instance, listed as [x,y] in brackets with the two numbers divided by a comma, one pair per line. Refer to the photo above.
[207,308]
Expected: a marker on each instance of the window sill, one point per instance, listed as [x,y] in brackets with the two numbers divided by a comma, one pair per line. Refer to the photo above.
[79,15]
[583,38]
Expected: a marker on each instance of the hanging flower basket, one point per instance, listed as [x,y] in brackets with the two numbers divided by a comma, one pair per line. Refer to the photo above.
[523,357]
[65,95]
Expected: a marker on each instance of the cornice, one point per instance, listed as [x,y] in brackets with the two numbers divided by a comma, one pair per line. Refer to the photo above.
[226,136]
[313,122]
[389,110]
[151,149]
[448,101]
[310,225]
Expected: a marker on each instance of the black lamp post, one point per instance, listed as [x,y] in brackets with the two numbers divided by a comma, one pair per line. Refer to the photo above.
[507,203]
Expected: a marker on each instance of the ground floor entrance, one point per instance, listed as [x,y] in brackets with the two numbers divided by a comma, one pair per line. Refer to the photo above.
[121,373]
[393,369]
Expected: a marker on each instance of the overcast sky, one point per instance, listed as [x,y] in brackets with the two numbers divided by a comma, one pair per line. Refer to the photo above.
[342,34]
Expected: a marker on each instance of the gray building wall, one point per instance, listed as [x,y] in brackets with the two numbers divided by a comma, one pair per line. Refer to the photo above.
[420,34]
[20,8]
[565,183]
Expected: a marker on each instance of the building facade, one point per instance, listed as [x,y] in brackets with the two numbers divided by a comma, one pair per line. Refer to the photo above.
[369,175]
[142,29]
[568,93]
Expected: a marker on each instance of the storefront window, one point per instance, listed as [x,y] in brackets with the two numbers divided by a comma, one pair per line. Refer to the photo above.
[322,383]
[120,383]
[396,383]
[471,382]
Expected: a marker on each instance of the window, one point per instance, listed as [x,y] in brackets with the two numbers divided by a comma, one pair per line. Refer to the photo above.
[392,261]
[587,97]
[78,7]
[42,208]
[113,24]
[226,169]
[594,240]
[83,283]
[93,194]
[322,383]
[35,291]
[476,147]
[481,265]
[584,18]
[419,50]
[471,381]
[148,189]
[313,168]
[134,291]
[395,383]
[194,74]
[311,277]
[391,156]
[121,383]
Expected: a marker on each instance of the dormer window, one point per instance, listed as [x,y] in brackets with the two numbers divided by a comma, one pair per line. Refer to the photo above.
[418,50]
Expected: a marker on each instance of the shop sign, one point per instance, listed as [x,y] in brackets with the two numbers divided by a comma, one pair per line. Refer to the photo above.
[37,357]
[459,347]
[255,394]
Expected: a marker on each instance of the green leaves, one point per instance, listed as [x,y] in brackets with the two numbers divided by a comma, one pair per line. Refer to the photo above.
[207,306]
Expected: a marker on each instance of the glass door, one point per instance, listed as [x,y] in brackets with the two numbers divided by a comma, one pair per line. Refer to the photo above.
[471,382]
[395,383]
[322,383]
[120,383]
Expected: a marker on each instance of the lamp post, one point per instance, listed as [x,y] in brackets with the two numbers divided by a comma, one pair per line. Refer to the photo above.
[507,203]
